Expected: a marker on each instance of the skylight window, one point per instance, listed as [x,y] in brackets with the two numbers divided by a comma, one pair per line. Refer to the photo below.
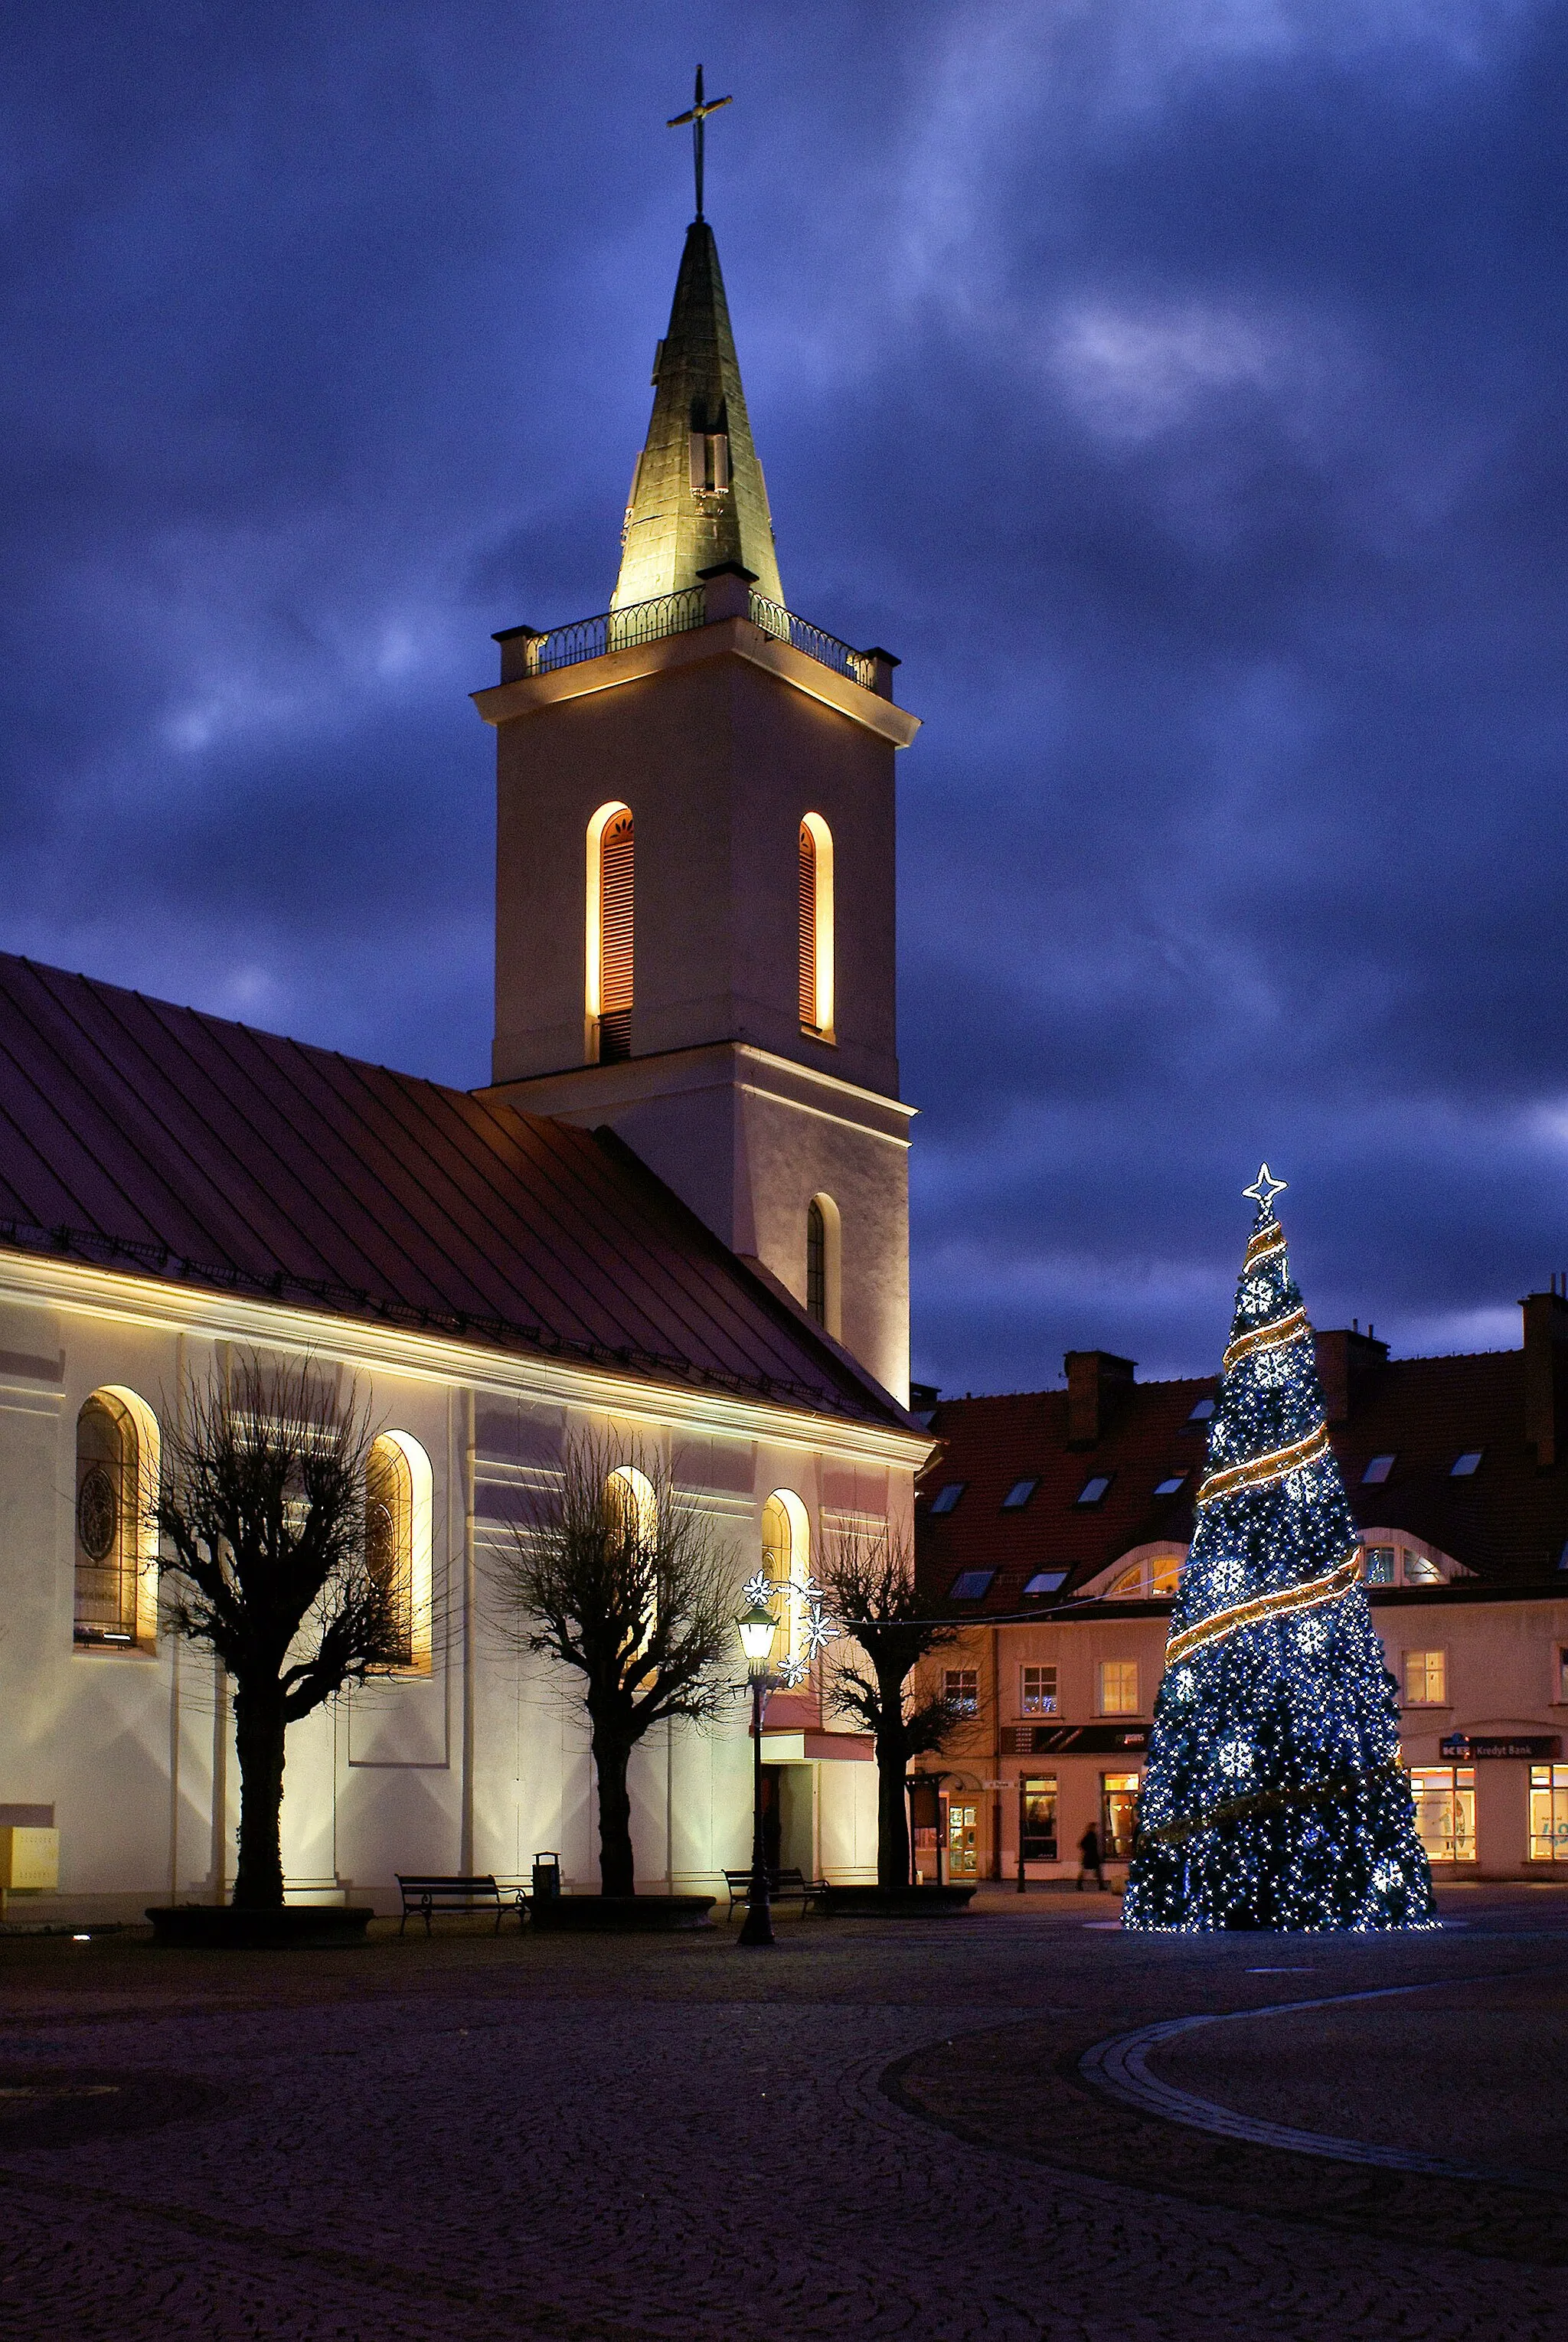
[969,1584]
[1093,1490]
[1169,1487]
[1045,1581]
[1377,1472]
[1018,1496]
[1465,1464]
[1202,1412]
[945,1499]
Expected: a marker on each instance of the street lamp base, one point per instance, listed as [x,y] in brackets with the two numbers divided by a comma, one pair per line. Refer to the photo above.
[758,1924]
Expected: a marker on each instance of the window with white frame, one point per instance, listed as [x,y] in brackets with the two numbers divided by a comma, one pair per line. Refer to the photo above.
[1118,1684]
[1549,1812]
[1037,1695]
[1426,1678]
[1445,1796]
[961,1690]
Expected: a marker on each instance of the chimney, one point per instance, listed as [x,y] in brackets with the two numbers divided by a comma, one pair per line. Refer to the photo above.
[1546,1413]
[1096,1382]
[1344,1360]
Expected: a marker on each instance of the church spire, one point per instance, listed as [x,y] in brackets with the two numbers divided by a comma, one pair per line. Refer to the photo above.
[698,496]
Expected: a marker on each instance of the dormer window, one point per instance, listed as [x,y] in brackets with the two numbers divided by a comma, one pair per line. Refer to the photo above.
[710,461]
[945,1499]
[1018,1496]
[1202,1411]
[1169,1486]
[1466,1463]
[1377,1472]
[1093,1490]
[969,1584]
[1046,1581]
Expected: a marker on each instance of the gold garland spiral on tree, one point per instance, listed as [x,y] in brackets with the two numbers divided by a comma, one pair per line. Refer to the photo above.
[1284,1604]
[1260,1471]
[1264,1337]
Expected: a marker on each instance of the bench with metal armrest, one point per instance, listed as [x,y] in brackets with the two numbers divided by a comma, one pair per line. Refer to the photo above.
[784,1886]
[424,1894]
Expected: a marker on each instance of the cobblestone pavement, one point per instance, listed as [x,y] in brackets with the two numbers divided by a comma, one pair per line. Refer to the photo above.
[874,2130]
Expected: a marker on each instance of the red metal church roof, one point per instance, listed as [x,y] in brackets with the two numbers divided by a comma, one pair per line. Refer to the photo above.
[138,1135]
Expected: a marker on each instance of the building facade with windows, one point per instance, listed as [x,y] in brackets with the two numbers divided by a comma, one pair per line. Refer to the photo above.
[1051,1527]
[677,1218]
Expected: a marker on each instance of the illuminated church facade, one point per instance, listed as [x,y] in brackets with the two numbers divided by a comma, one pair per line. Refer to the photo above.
[675,1218]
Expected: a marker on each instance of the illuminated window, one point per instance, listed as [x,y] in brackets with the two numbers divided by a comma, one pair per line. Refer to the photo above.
[1038,1696]
[1018,1496]
[1465,1464]
[1037,1817]
[1379,1564]
[786,1560]
[1425,1678]
[1169,1487]
[945,1499]
[1444,1797]
[1154,1575]
[397,1524]
[1377,1471]
[117,1537]
[969,1584]
[1549,1812]
[1562,1672]
[823,1265]
[817,945]
[1046,1581]
[1118,1680]
[610,940]
[1417,1570]
[961,1690]
[1165,1574]
[1118,1813]
[1093,1490]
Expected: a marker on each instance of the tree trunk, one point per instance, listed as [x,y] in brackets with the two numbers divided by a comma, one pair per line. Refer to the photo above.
[259,1729]
[617,1869]
[891,1809]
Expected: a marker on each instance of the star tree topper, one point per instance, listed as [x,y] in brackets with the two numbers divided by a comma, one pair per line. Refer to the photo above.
[1265,1188]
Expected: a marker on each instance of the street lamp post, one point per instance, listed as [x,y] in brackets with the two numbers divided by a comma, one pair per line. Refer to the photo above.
[756,1628]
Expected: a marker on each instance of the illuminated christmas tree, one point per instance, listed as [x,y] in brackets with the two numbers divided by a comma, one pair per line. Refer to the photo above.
[1275,1796]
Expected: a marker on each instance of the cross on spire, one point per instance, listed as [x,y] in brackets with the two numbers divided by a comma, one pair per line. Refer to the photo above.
[697,116]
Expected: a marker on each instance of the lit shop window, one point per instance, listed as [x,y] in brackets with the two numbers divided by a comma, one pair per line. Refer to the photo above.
[1444,1798]
[961,1690]
[1549,1812]
[1039,1692]
[1118,1811]
[1118,1687]
[1037,1817]
[1425,1678]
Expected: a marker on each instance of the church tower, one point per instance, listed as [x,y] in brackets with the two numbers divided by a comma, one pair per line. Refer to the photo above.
[695,916]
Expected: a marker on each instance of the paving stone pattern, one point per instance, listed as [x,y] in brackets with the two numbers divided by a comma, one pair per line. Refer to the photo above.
[571,2138]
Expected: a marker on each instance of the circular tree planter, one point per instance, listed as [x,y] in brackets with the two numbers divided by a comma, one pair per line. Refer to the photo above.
[619,1914]
[218,1927]
[894,1901]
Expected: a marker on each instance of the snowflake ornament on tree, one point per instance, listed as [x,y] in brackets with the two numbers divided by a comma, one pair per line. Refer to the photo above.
[1275,1796]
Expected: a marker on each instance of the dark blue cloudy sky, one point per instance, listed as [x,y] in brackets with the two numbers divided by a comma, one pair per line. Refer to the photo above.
[1178,385]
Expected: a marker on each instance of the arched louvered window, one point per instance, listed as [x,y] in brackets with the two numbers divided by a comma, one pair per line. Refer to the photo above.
[616,939]
[815,898]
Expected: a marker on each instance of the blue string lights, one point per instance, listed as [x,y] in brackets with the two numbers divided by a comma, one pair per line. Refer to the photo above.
[1275,1796]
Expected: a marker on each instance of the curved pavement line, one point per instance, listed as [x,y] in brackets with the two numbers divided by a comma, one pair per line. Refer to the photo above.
[1119,2068]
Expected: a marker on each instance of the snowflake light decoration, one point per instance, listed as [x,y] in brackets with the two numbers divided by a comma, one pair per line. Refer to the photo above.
[758,1590]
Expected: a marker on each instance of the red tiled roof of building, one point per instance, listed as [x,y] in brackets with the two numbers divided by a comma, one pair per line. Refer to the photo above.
[1508,1520]
[138,1135]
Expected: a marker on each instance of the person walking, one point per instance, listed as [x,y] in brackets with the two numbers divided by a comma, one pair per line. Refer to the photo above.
[1089,1858]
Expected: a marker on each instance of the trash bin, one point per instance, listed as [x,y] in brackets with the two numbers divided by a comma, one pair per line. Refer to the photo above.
[546,1878]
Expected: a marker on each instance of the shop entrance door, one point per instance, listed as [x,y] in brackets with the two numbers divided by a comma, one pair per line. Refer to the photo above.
[963,1843]
[1119,1798]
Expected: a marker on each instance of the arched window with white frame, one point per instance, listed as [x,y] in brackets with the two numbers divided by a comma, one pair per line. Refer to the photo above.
[825,1265]
[116,1571]
[398,1511]
[610,938]
[817,939]
[786,1563]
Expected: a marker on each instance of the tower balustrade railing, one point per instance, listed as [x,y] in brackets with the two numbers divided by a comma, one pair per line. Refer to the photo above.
[680,614]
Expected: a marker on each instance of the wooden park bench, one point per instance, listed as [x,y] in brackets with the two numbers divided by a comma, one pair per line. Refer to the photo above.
[784,1886]
[424,1896]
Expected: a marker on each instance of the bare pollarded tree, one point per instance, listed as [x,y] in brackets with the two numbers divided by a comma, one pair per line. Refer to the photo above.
[615,1574]
[269,1561]
[869,1578]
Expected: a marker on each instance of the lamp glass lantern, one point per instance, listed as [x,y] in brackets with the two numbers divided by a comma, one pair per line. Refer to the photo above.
[756,1628]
